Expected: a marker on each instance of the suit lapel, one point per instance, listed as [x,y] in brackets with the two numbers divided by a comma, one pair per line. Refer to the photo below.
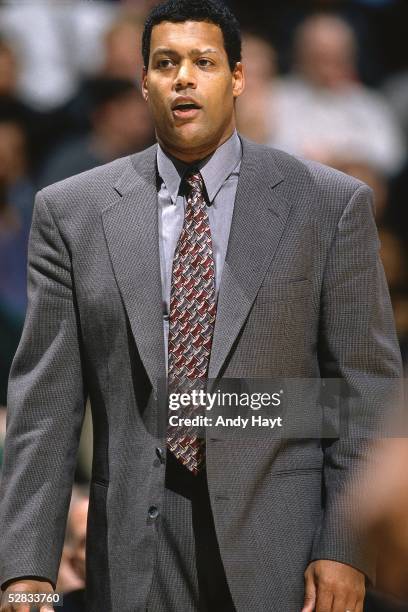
[132,235]
[131,231]
[260,214]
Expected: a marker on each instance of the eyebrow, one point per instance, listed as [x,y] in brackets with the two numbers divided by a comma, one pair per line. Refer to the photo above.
[167,51]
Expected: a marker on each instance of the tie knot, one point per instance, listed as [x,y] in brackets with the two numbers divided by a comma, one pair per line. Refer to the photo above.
[194,180]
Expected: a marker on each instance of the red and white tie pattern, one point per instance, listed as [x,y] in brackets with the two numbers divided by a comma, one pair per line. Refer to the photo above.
[191,320]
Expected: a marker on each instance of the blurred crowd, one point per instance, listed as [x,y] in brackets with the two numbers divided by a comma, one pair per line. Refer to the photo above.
[325,81]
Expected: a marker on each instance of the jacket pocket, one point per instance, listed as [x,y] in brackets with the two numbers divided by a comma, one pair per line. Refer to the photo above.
[294,471]
[284,290]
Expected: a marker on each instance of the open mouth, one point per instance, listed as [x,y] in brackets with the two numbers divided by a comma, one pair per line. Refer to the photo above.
[186,109]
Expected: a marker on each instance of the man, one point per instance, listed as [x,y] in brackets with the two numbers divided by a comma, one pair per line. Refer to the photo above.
[322,111]
[115,260]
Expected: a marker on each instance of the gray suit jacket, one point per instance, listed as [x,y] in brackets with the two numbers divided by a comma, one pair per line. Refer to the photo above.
[303,294]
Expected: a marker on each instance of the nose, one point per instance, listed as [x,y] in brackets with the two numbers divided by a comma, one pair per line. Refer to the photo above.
[185,78]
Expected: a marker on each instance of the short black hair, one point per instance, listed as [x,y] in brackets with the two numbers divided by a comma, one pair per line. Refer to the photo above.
[211,11]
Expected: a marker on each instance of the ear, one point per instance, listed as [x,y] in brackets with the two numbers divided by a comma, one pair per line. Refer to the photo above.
[238,80]
[145,93]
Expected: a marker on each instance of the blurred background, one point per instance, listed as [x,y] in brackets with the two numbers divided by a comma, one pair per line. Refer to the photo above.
[326,80]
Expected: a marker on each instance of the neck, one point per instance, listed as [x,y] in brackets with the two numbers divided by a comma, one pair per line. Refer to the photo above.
[193,155]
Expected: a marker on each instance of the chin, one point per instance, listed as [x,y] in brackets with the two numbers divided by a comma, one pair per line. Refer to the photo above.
[192,136]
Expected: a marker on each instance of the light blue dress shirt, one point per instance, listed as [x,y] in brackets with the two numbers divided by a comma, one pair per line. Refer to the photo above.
[220,172]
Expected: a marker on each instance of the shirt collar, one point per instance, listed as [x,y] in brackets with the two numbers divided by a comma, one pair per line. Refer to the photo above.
[215,169]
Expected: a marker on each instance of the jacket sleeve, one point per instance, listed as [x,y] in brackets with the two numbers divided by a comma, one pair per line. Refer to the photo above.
[45,410]
[358,345]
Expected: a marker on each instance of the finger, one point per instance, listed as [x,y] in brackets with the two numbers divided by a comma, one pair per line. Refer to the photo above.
[360,605]
[19,607]
[354,602]
[324,600]
[6,606]
[343,604]
[310,594]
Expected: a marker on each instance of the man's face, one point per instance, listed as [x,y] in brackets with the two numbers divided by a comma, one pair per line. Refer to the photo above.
[190,88]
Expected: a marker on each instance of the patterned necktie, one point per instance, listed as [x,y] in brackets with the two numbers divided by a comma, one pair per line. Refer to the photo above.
[191,321]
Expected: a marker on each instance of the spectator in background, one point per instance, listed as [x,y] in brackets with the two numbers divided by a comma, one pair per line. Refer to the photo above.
[9,97]
[85,25]
[396,91]
[40,129]
[16,200]
[114,55]
[71,575]
[13,245]
[14,158]
[122,49]
[324,113]
[56,43]
[36,31]
[120,125]
[255,108]
[8,70]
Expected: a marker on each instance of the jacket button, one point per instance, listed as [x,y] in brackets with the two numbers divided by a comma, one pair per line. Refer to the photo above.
[153,512]
[160,454]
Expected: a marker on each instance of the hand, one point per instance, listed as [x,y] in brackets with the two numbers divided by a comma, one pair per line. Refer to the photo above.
[26,586]
[331,586]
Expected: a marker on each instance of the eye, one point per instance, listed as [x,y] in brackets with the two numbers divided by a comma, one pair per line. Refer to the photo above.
[164,63]
[204,63]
